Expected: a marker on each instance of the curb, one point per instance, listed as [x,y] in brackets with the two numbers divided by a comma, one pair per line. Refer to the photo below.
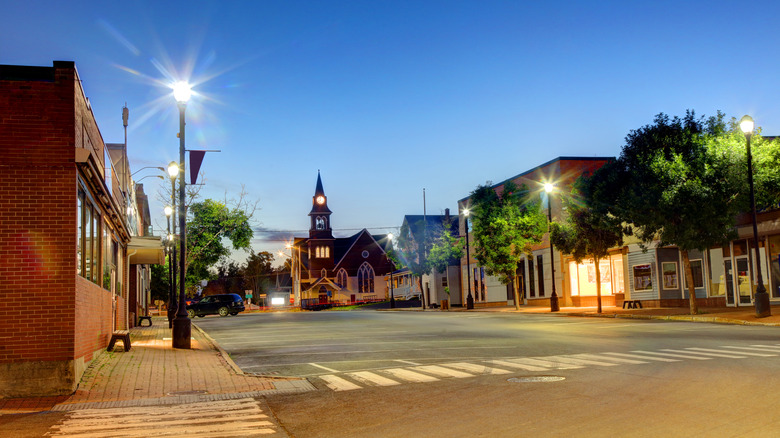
[678,318]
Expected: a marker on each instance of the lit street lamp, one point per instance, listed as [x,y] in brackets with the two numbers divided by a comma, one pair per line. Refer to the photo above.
[761,297]
[469,298]
[182,326]
[554,307]
[173,172]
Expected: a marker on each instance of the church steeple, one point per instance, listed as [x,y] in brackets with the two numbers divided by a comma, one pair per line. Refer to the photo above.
[320,213]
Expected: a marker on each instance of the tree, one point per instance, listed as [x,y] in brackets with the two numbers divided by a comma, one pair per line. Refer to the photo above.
[444,250]
[210,224]
[257,273]
[671,187]
[160,282]
[412,251]
[505,226]
[588,232]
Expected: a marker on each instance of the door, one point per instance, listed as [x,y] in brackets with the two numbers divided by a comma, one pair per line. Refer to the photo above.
[742,281]
[730,301]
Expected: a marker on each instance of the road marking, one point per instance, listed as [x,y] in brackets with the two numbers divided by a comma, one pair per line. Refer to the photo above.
[684,356]
[410,376]
[337,383]
[600,357]
[548,362]
[406,361]
[324,368]
[514,364]
[575,361]
[637,356]
[444,372]
[687,350]
[754,348]
[229,418]
[734,352]
[478,369]
[768,347]
[371,378]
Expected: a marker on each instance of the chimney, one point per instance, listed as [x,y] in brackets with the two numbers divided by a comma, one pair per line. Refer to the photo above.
[446,215]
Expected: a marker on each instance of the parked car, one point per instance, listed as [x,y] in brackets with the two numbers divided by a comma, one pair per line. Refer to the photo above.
[222,305]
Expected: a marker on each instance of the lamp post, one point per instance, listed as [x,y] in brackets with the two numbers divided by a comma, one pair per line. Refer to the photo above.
[171,247]
[469,298]
[173,172]
[761,297]
[182,326]
[554,307]
[392,268]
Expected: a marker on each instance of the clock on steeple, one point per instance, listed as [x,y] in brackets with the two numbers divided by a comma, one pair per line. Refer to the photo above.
[320,214]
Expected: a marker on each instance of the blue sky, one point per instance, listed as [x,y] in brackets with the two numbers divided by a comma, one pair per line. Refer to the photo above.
[386,98]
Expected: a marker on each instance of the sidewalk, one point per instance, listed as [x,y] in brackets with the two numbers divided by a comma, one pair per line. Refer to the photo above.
[728,315]
[154,373]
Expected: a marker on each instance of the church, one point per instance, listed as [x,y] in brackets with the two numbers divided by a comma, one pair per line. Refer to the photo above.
[331,270]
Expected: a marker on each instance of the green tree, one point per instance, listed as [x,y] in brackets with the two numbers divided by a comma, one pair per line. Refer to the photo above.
[444,250]
[161,283]
[671,187]
[505,226]
[211,223]
[413,251]
[257,273]
[588,231]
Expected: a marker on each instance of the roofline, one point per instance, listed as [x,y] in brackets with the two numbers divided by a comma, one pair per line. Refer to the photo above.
[563,158]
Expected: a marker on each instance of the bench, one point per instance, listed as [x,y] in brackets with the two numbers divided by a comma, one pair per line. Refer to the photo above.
[120,335]
[632,304]
[144,318]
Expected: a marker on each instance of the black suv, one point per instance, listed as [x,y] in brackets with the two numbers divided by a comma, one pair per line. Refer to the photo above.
[222,305]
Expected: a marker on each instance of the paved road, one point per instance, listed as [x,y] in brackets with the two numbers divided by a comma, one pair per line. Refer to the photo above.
[486,374]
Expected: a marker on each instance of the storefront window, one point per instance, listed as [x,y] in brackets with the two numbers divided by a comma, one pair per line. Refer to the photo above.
[583,278]
[669,270]
[717,273]
[643,277]
[774,266]
[698,275]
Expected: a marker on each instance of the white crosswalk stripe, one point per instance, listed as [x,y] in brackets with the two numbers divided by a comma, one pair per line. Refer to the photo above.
[410,376]
[433,373]
[372,378]
[229,418]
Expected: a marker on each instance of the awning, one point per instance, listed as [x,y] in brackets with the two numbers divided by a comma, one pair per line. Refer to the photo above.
[146,251]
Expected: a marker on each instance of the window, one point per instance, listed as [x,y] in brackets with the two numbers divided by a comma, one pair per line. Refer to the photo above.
[322,252]
[365,278]
[88,239]
[540,270]
[643,277]
[444,281]
[531,283]
[698,274]
[669,270]
[341,278]
[320,223]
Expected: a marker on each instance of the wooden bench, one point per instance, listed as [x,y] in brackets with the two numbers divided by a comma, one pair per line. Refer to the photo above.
[120,335]
[144,318]
[632,304]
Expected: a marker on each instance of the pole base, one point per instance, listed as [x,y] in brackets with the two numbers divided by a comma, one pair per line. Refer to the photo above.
[171,316]
[762,305]
[554,307]
[469,302]
[182,332]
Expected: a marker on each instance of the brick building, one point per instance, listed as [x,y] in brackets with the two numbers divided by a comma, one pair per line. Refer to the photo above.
[64,232]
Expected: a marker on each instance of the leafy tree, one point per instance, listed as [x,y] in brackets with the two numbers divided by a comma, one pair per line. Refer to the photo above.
[588,232]
[257,273]
[210,224]
[505,226]
[444,249]
[670,186]
[160,284]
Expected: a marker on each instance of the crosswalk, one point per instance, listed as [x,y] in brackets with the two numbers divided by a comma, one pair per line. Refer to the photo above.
[227,418]
[348,381]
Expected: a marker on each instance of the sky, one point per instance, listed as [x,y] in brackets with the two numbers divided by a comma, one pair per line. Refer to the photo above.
[390,98]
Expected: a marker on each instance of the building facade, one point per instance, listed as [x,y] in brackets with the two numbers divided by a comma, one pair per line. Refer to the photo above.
[337,270]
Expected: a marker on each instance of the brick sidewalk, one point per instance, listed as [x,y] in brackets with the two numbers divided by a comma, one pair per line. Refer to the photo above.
[152,369]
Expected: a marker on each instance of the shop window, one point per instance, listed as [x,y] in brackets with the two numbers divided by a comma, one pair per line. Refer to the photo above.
[698,274]
[669,270]
[444,281]
[531,282]
[643,277]
[540,271]
[774,266]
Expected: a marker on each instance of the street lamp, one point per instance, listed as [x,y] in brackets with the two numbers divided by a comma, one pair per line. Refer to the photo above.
[469,298]
[182,326]
[554,307]
[171,246]
[761,297]
[392,268]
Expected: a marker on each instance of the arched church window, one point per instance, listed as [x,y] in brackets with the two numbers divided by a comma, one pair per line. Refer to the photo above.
[365,278]
[341,278]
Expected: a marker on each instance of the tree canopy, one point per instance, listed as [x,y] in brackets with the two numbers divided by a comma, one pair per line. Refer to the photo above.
[505,226]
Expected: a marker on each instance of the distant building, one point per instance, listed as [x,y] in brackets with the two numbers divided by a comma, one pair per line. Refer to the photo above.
[336,270]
